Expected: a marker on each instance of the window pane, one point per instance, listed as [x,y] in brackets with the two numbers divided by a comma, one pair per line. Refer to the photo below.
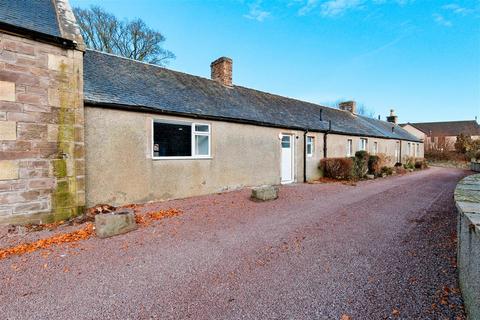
[201,145]
[172,140]
[286,142]
[201,128]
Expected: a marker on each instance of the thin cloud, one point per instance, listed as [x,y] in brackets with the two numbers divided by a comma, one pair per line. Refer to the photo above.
[338,7]
[309,6]
[256,13]
[441,20]
[457,9]
[333,8]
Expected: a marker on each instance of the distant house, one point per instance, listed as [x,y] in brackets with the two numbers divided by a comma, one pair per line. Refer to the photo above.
[442,135]
[80,127]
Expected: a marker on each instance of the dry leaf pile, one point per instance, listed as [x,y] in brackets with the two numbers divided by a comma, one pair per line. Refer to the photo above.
[74,236]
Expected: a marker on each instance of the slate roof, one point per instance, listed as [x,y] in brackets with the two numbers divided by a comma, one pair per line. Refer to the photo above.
[449,128]
[36,15]
[114,81]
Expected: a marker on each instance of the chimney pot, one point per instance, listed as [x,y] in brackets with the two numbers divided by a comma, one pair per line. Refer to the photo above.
[350,106]
[221,71]
[392,117]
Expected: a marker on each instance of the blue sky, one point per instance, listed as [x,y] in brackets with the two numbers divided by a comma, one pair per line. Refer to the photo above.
[420,57]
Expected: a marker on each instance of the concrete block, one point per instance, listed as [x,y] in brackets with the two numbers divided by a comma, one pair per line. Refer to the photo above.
[111,224]
[7,91]
[265,193]
[8,130]
[370,176]
[8,170]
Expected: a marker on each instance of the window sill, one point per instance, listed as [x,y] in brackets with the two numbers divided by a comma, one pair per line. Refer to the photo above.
[182,158]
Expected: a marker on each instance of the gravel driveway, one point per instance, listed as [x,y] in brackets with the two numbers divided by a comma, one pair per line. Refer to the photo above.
[383,249]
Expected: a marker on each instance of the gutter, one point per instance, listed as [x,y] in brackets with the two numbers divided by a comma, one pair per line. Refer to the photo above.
[38,36]
[140,108]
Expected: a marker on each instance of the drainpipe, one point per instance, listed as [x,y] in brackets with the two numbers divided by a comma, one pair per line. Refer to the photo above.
[400,151]
[325,138]
[305,155]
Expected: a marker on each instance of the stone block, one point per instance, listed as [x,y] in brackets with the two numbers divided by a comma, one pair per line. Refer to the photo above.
[111,224]
[265,193]
[7,91]
[57,63]
[8,170]
[8,130]
[370,176]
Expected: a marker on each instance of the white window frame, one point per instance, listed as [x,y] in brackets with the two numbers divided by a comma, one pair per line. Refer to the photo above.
[192,135]
[349,148]
[360,145]
[311,143]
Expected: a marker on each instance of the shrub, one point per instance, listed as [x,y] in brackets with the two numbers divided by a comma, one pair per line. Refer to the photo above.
[387,170]
[477,155]
[444,155]
[400,170]
[421,163]
[373,167]
[377,162]
[398,164]
[337,168]
[409,163]
[360,168]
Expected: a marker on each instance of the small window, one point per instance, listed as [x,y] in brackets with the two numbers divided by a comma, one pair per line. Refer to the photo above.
[178,139]
[310,146]
[286,141]
[363,144]
[349,147]
[375,148]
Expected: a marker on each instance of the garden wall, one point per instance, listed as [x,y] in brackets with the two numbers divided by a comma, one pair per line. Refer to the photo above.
[467,199]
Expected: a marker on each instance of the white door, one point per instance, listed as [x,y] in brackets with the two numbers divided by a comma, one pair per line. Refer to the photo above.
[287,158]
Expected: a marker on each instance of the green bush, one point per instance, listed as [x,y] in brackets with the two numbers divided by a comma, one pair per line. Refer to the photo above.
[409,163]
[337,168]
[386,170]
[360,167]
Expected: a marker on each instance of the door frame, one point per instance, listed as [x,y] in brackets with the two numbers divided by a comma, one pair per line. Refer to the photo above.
[292,157]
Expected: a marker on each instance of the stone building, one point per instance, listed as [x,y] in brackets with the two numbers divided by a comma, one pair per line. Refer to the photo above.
[42,167]
[443,135]
[80,127]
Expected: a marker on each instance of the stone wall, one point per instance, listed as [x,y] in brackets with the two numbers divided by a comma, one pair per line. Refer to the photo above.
[467,198]
[42,168]
[475,166]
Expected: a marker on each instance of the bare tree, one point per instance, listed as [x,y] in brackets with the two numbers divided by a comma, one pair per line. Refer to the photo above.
[362,109]
[365,111]
[103,31]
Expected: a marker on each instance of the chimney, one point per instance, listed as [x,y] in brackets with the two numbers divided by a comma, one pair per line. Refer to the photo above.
[350,106]
[392,117]
[221,71]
